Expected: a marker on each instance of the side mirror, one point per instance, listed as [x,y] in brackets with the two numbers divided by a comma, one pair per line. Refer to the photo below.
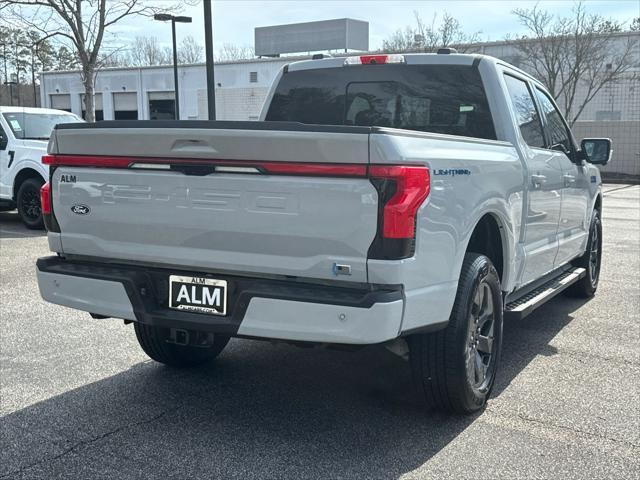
[596,150]
[4,141]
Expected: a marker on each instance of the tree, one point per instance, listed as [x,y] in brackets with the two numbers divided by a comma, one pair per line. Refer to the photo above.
[25,53]
[230,52]
[65,59]
[147,51]
[443,33]
[568,52]
[190,51]
[82,24]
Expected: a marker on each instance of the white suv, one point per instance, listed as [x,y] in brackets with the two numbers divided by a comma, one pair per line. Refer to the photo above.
[24,134]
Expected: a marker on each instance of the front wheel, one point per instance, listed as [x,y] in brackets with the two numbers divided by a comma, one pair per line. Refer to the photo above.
[28,200]
[454,369]
[190,350]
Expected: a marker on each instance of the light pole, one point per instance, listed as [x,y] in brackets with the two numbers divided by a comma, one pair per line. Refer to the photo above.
[208,46]
[165,17]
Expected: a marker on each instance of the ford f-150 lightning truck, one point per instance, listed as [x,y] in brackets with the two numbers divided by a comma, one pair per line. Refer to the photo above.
[407,200]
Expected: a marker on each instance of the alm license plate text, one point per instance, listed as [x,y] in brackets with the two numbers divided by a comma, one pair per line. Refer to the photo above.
[198,294]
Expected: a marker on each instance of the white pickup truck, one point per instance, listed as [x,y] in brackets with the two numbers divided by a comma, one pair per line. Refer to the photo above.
[24,133]
[410,200]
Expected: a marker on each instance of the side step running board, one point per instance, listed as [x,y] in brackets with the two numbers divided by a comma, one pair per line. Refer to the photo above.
[523,306]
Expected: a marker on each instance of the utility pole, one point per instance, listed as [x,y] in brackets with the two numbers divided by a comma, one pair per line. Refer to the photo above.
[208,48]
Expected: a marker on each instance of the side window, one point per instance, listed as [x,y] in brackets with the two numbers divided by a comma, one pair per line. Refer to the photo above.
[526,113]
[557,129]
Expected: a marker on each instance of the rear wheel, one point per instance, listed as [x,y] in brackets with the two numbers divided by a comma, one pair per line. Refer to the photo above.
[586,287]
[28,201]
[179,348]
[454,369]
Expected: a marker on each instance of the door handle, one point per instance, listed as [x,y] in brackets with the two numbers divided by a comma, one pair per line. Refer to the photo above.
[569,180]
[538,180]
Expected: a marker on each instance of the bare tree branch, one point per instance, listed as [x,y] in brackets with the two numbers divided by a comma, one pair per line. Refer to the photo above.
[575,56]
[230,52]
[443,33]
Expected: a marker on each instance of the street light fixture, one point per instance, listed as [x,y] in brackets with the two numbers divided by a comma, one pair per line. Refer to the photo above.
[165,17]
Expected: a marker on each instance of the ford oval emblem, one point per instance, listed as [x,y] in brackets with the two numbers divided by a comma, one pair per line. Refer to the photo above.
[79,209]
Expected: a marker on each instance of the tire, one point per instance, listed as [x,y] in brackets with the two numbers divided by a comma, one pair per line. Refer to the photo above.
[440,360]
[154,342]
[591,261]
[28,202]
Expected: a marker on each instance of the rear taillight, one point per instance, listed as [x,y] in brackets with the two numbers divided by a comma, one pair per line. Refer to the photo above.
[221,165]
[50,222]
[401,192]
[45,198]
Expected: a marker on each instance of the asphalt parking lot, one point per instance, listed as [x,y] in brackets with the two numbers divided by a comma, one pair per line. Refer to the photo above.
[79,399]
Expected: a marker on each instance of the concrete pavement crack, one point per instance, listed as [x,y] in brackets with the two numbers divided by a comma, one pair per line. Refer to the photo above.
[565,428]
[83,443]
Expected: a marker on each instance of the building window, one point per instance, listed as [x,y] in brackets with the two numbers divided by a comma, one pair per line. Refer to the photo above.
[61,101]
[97,103]
[162,106]
[125,106]
[608,116]
[253,77]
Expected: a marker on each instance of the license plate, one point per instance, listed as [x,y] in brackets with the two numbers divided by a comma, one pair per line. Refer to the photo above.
[198,294]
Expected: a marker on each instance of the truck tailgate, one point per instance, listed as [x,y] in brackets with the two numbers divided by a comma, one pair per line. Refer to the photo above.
[200,198]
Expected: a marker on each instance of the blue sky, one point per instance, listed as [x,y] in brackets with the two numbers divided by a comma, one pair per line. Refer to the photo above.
[234,20]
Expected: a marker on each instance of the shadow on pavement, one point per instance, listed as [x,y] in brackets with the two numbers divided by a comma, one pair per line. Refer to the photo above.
[260,411]
[12,227]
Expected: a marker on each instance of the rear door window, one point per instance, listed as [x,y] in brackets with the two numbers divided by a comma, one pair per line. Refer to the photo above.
[446,99]
[527,115]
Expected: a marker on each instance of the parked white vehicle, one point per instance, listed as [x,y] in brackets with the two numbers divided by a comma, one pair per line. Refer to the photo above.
[24,134]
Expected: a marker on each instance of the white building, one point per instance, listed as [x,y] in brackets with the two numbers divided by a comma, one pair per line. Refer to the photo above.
[147,93]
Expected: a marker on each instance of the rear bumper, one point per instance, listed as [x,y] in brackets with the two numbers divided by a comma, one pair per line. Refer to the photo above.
[279,309]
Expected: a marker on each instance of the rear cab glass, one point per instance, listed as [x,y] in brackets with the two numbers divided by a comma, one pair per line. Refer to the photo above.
[447,99]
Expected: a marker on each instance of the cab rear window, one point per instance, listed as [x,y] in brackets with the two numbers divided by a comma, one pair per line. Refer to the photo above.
[446,99]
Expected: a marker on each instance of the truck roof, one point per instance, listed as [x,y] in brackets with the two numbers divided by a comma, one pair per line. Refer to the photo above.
[14,109]
[448,58]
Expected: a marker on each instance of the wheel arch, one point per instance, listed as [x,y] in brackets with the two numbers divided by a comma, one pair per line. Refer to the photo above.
[23,175]
[597,204]
[489,237]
